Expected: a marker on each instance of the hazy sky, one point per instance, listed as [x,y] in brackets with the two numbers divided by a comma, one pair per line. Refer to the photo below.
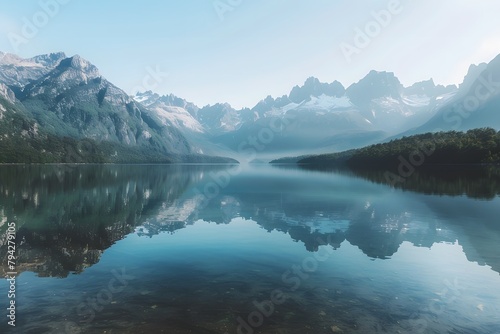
[240,51]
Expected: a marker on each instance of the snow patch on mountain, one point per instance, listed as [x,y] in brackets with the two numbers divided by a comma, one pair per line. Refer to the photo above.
[168,113]
[278,112]
[179,117]
[141,98]
[327,103]
[416,101]
[390,105]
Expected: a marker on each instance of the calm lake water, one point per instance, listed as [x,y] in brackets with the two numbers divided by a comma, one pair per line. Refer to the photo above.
[259,249]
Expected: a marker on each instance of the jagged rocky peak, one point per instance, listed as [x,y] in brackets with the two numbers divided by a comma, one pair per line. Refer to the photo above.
[485,75]
[373,86]
[54,67]
[383,78]
[79,63]
[491,74]
[50,60]
[16,71]
[7,58]
[472,75]
[269,103]
[150,98]
[425,87]
[146,98]
[223,106]
[74,71]
[176,101]
[265,104]
[269,99]
[429,88]
[282,101]
[313,87]
[11,59]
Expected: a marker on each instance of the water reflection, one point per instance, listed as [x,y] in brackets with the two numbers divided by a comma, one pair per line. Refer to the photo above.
[203,244]
[65,221]
[481,182]
[67,217]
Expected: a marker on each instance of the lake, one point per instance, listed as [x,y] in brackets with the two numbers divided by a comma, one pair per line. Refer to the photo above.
[253,249]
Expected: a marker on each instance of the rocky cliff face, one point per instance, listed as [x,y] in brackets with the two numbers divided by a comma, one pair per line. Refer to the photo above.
[16,71]
[68,97]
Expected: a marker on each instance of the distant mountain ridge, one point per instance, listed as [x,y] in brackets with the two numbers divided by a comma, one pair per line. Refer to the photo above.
[326,115]
[377,107]
[476,104]
[67,96]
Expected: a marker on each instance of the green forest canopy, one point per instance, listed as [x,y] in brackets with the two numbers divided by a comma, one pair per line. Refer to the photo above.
[477,146]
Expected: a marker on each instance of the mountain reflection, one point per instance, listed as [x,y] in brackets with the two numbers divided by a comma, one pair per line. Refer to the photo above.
[66,218]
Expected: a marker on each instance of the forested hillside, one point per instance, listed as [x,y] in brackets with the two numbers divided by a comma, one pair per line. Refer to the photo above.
[476,146]
[22,141]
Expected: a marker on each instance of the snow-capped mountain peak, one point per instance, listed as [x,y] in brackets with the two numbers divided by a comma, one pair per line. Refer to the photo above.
[313,87]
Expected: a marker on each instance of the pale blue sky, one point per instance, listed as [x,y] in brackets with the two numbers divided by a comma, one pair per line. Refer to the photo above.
[260,47]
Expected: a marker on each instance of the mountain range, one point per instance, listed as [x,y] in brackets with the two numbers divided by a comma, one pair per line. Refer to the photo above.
[67,102]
